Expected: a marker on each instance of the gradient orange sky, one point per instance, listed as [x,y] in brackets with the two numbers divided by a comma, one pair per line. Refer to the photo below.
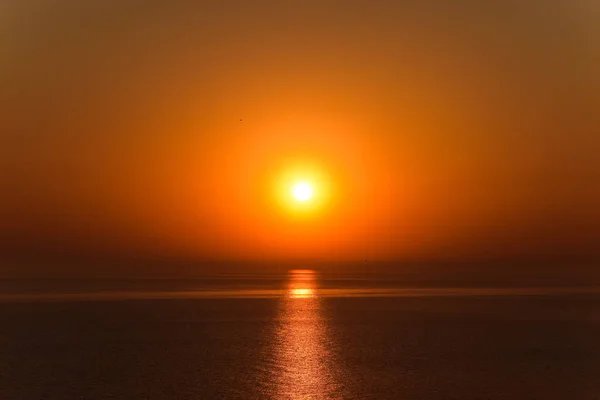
[444,129]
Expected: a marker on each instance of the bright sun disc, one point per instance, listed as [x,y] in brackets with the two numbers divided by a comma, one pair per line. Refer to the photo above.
[302,191]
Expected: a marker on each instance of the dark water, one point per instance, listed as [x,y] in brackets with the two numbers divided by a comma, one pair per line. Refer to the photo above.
[302,342]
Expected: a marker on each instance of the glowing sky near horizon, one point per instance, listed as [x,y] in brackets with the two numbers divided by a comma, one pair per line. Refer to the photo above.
[427,130]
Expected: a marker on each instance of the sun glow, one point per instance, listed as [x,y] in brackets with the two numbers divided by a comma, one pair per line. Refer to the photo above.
[302,191]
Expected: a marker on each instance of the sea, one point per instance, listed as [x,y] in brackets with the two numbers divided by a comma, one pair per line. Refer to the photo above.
[297,335]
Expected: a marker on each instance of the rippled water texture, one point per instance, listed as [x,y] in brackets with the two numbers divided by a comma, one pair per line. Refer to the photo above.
[303,362]
[300,339]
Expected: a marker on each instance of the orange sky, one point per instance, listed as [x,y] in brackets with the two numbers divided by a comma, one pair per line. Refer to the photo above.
[443,130]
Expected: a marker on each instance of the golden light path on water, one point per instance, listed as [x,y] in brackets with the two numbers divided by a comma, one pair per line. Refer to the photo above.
[302,347]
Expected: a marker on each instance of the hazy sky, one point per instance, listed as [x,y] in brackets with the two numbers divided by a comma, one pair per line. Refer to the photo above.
[459,130]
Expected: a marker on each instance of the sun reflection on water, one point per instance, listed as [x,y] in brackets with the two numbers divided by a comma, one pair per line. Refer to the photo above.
[301,293]
[302,345]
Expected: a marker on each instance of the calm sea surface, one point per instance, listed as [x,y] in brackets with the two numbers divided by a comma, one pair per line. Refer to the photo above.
[297,338]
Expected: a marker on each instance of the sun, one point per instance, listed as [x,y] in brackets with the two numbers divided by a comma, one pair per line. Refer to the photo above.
[302,191]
